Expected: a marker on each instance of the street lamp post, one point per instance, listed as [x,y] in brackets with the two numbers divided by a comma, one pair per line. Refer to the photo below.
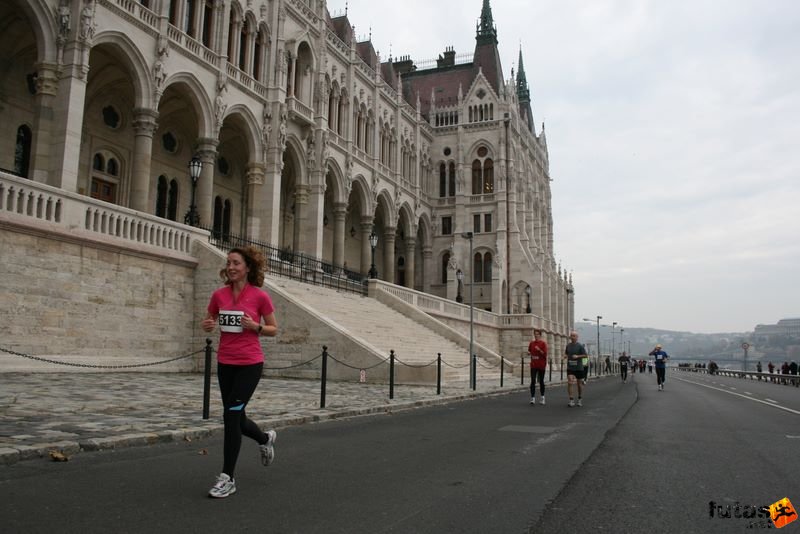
[598,338]
[460,278]
[192,218]
[469,236]
[373,242]
[528,292]
[613,326]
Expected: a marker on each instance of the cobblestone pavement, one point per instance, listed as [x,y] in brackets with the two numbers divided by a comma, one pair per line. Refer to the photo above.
[75,412]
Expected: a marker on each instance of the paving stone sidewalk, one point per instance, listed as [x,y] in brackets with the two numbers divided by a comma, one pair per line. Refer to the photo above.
[77,412]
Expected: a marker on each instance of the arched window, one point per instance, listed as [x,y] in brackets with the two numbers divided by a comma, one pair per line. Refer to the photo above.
[487,267]
[172,201]
[161,196]
[442,180]
[105,179]
[488,176]
[22,152]
[208,13]
[451,182]
[188,19]
[216,229]
[445,262]
[482,267]
[226,219]
[112,167]
[477,179]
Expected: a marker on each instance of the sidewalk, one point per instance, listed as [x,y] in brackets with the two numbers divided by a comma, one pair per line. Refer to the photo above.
[76,412]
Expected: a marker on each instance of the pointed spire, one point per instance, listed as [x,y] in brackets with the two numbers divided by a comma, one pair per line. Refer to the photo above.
[523,93]
[487,32]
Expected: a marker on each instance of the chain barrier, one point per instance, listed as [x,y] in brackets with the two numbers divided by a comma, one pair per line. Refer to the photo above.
[312,360]
[97,366]
[416,366]
[382,362]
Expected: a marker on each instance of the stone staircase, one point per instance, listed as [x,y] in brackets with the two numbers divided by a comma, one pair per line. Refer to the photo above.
[383,329]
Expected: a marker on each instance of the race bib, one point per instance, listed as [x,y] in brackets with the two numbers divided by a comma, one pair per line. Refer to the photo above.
[230,321]
[574,365]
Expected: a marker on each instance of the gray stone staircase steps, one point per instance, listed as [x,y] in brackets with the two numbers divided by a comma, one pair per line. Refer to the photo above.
[384,328]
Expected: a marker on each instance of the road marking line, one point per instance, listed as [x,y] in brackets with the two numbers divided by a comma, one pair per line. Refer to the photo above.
[792,437]
[770,400]
[771,403]
[747,393]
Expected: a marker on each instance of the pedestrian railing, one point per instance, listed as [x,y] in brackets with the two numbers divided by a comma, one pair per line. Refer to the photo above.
[774,378]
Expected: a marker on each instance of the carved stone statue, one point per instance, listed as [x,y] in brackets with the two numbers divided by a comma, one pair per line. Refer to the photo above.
[87,20]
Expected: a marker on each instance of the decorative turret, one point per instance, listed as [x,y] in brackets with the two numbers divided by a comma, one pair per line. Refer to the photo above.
[523,93]
[524,96]
[487,31]
[486,56]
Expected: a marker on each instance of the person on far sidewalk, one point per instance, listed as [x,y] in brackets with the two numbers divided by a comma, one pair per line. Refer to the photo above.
[660,358]
[575,352]
[538,351]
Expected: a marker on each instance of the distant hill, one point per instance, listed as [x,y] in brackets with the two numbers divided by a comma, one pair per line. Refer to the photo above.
[679,345]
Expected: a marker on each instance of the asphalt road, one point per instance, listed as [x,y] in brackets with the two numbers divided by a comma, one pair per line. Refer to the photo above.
[631,460]
[705,438]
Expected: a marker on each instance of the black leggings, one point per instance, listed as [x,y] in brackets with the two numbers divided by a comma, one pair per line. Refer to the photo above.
[537,374]
[660,375]
[236,385]
[623,371]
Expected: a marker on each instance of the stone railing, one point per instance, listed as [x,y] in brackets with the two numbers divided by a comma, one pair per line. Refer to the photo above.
[441,306]
[53,210]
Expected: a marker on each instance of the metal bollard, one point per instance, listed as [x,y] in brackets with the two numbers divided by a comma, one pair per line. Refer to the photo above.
[439,373]
[391,374]
[324,377]
[522,370]
[207,380]
[502,369]
[474,372]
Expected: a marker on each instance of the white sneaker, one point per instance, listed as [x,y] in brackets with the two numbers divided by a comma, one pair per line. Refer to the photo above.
[571,403]
[580,403]
[533,400]
[542,400]
[268,449]
[224,486]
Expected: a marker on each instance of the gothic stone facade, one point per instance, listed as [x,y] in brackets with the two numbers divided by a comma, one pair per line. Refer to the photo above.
[308,140]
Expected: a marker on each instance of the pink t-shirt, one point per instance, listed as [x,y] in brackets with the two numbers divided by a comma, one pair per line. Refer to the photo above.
[240,348]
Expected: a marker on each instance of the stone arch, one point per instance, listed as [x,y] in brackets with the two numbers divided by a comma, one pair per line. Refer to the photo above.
[187,84]
[136,63]
[249,124]
[360,188]
[336,174]
[42,22]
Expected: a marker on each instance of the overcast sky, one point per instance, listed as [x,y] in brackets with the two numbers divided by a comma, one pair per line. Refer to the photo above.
[673,131]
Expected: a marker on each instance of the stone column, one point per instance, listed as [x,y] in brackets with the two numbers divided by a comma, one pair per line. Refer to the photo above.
[427,270]
[207,153]
[46,88]
[339,216]
[255,179]
[144,126]
[69,108]
[411,246]
[366,249]
[389,236]
[301,194]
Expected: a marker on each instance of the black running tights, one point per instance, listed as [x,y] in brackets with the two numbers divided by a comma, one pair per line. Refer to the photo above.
[537,375]
[236,385]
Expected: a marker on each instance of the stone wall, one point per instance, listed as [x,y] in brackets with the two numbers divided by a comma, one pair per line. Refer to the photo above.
[84,302]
